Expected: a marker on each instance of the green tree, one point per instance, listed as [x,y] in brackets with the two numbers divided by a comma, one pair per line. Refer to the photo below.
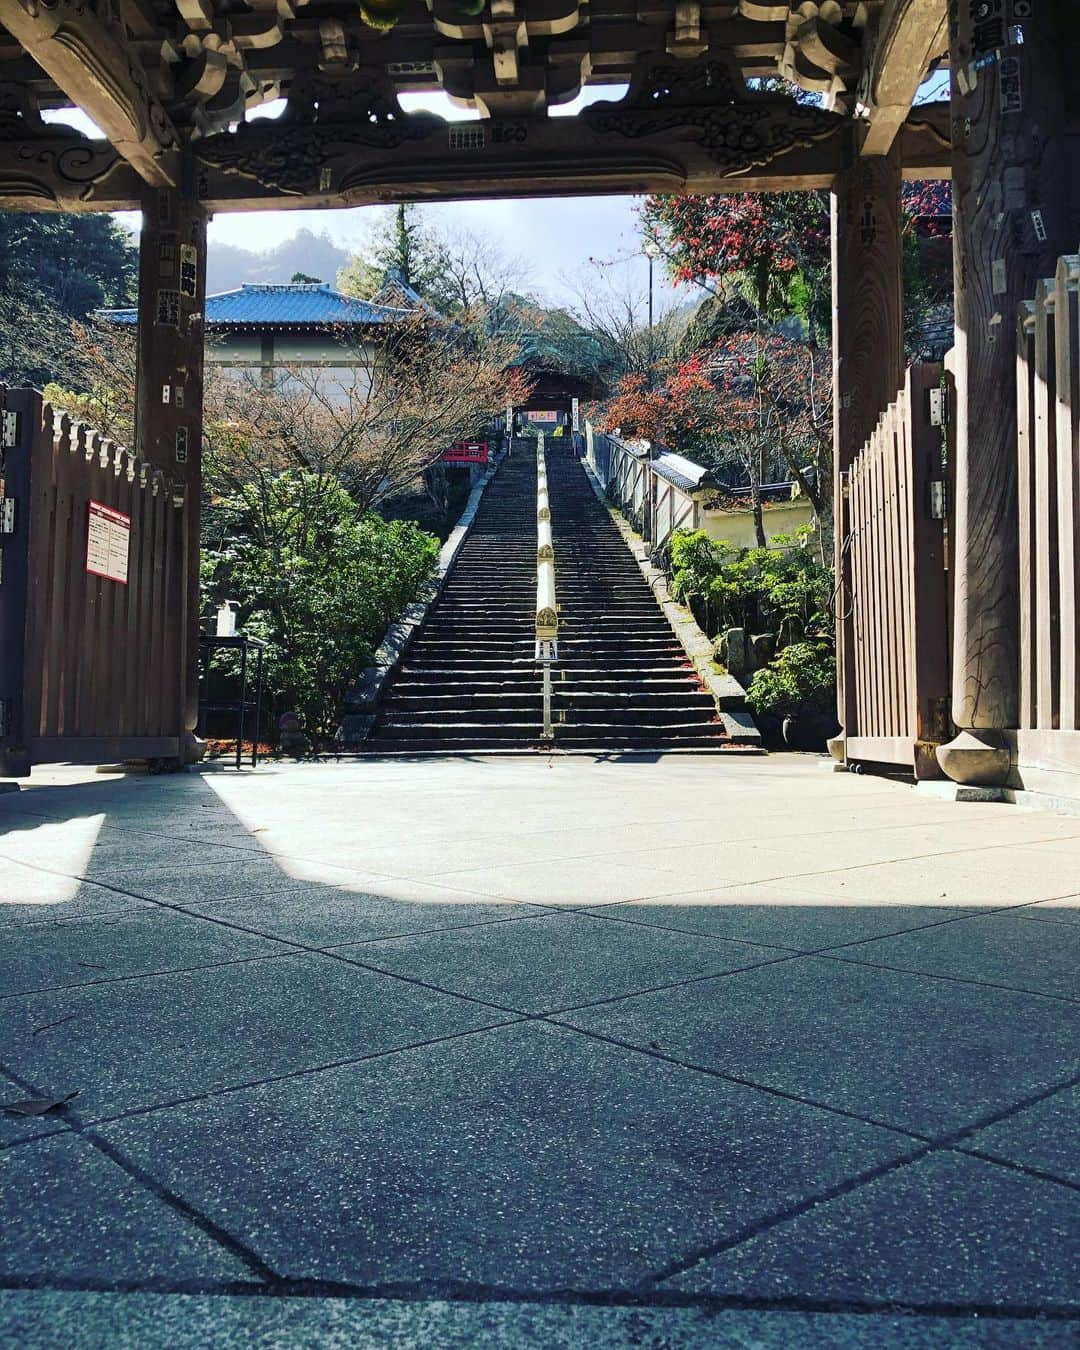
[318,580]
[407,248]
[56,269]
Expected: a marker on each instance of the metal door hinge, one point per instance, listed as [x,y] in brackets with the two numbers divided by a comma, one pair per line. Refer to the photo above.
[939,499]
[7,515]
[939,407]
[9,430]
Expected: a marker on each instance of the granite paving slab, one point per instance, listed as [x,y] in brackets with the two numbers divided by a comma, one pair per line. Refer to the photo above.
[13,1127]
[992,949]
[979,877]
[924,1054]
[777,914]
[558,960]
[109,946]
[30,895]
[1045,1137]
[525,1158]
[327,916]
[1063,910]
[93,1321]
[585,881]
[945,1230]
[185,883]
[71,1213]
[161,1038]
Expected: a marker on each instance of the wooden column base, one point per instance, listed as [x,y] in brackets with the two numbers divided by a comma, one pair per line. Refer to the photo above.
[976,759]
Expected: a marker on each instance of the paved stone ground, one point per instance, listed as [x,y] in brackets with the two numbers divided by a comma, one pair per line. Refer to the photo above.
[677,1051]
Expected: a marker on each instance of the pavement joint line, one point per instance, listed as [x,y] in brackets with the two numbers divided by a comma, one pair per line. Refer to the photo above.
[951,979]
[221,1236]
[947,1143]
[766,1223]
[601,913]
[666,988]
[935,1142]
[738,1081]
[460,1293]
[300,947]
[308,1071]
[1037,1173]
[143,975]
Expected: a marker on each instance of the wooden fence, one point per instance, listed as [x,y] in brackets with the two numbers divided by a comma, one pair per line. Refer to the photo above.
[1048,497]
[892,597]
[92,596]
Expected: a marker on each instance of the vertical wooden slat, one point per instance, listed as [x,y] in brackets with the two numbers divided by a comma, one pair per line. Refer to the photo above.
[877,664]
[42,505]
[907,505]
[1067,427]
[1025,427]
[1044,500]
[929,628]
[890,558]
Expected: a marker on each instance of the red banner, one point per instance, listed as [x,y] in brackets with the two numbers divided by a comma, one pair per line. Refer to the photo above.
[466,452]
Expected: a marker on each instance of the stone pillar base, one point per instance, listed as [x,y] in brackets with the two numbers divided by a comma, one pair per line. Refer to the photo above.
[838,748]
[976,759]
[192,749]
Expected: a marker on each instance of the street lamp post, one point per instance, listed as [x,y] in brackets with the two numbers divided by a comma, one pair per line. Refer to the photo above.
[651,249]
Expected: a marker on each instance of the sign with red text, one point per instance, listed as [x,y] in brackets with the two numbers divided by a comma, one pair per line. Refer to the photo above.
[108,540]
[542,416]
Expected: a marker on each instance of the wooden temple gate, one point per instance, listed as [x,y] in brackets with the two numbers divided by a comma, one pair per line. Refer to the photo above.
[92,596]
[892,594]
[170,86]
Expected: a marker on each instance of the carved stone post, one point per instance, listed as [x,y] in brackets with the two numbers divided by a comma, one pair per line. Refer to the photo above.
[868,356]
[169,385]
[1016,181]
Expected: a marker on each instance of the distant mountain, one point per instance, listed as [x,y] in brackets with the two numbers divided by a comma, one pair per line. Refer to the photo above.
[316,255]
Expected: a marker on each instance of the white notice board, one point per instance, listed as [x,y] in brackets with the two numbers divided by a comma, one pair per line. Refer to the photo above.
[108,537]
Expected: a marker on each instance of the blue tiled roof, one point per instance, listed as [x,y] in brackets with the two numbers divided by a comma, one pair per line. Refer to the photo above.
[267,306]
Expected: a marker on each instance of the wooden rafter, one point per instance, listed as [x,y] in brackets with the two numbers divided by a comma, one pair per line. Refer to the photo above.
[910,35]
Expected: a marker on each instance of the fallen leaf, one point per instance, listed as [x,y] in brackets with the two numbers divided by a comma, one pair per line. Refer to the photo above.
[38,1106]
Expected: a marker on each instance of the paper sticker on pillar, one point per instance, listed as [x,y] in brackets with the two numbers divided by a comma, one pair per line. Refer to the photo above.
[988,31]
[108,538]
[167,310]
[181,445]
[1010,93]
[189,270]
[999,279]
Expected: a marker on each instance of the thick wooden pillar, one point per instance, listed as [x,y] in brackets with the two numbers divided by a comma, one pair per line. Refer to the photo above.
[169,384]
[868,355]
[1016,185]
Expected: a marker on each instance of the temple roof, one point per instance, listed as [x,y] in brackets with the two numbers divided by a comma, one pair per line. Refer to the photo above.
[284,305]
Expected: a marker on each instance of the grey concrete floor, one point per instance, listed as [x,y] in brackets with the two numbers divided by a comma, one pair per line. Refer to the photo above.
[536,1051]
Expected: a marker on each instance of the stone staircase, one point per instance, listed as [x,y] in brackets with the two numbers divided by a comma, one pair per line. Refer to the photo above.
[470,682]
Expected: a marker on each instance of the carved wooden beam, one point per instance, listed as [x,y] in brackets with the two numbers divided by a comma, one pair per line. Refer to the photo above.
[46,166]
[910,34]
[88,54]
[354,146]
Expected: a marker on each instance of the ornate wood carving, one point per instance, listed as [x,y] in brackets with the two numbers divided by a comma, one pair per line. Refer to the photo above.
[85,49]
[681,126]
[45,166]
[738,129]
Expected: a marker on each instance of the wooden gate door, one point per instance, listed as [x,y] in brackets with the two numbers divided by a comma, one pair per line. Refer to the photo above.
[92,596]
[893,629]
